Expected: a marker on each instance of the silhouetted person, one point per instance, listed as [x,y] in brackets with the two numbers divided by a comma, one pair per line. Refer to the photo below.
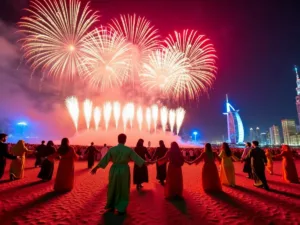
[119,174]
[38,155]
[47,166]
[140,174]
[4,154]
[161,170]
[258,161]
[91,152]
[247,161]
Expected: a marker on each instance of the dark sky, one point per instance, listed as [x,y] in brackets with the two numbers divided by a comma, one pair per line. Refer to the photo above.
[257,44]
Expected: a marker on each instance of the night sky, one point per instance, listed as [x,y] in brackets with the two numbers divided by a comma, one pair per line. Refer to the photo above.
[257,46]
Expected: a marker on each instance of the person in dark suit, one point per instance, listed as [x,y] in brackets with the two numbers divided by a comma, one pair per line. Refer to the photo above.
[4,153]
[258,161]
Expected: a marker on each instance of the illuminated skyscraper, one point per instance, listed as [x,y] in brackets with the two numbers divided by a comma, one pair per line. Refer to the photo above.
[274,135]
[288,129]
[252,135]
[298,93]
[235,126]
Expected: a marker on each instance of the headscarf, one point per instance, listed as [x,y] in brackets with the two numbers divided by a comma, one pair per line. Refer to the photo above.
[208,150]
[64,147]
[19,148]
[140,143]
[175,155]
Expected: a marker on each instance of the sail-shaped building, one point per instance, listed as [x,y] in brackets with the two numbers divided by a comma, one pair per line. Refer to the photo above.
[235,126]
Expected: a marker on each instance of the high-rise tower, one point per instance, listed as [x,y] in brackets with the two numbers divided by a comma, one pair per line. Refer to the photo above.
[235,126]
[298,93]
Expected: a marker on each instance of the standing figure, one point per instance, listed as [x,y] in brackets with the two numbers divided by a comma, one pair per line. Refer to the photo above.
[38,154]
[119,174]
[227,172]
[161,170]
[103,151]
[140,174]
[4,154]
[174,182]
[258,161]
[269,156]
[65,173]
[16,170]
[210,176]
[289,170]
[91,152]
[247,161]
[47,167]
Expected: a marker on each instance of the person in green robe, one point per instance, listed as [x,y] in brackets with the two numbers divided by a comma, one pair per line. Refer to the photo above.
[119,174]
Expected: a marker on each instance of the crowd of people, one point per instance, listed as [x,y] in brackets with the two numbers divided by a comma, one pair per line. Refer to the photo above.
[168,162]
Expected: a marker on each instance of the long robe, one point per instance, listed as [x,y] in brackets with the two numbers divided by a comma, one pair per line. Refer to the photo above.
[258,160]
[65,173]
[161,170]
[119,175]
[47,167]
[289,170]
[3,156]
[140,174]
[174,181]
[17,166]
[91,151]
[247,162]
[38,156]
[227,172]
[210,176]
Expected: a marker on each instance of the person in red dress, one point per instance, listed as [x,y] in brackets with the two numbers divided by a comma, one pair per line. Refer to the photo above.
[210,176]
[174,181]
[65,173]
[289,170]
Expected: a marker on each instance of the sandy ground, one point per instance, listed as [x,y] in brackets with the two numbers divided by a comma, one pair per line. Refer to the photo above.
[29,201]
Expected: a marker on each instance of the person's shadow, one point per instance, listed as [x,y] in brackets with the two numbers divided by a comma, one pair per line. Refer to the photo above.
[109,218]
[179,204]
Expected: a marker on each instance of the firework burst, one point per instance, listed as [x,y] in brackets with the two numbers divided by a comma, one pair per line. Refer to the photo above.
[73,109]
[107,59]
[201,56]
[55,30]
[166,73]
[97,117]
[140,33]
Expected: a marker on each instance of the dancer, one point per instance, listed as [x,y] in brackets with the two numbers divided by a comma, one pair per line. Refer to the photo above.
[258,160]
[4,154]
[269,156]
[47,167]
[140,174]
[64,181]
[210,177]
[119,174]
[227,172]
[91,151]
[174,182]
[38,154]
[247,162]
[289,170]
[16,170]
[161,170]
